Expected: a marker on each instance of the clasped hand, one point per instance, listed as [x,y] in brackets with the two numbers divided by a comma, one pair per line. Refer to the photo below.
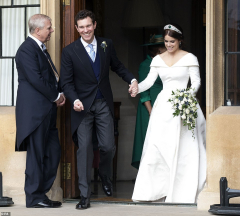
[133,89]
[61,100]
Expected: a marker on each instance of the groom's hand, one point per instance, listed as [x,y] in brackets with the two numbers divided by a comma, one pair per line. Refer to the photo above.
[133,90]
[78,106]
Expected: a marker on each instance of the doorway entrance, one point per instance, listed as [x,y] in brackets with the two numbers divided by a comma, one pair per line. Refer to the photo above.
[109,15]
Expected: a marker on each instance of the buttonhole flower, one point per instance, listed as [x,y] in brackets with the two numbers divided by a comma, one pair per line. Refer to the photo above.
[104,45]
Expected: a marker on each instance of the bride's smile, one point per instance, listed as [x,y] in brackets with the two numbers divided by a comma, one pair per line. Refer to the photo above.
[171,44]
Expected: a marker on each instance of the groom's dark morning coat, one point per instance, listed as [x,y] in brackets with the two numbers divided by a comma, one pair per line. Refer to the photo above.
[36,90]
[79,81]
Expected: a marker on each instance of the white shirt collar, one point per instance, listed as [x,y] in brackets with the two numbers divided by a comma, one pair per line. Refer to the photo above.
[85,44]
[37,41]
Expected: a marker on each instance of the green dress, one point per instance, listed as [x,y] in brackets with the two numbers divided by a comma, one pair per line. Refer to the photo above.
[142,113]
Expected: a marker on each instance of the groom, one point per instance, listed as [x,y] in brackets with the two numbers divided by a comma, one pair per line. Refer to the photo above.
[85,82]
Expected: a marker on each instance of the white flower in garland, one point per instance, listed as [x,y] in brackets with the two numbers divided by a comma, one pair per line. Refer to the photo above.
[184,105]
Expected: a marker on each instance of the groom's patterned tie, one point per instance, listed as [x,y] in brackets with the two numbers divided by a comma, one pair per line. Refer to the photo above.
[92,53]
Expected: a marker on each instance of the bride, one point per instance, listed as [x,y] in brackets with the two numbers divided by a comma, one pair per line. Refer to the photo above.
[173,163]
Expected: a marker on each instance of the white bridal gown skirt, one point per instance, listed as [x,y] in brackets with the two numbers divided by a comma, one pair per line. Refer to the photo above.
[173,163]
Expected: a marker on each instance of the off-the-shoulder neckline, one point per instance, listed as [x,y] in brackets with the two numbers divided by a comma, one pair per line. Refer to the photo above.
[175,62]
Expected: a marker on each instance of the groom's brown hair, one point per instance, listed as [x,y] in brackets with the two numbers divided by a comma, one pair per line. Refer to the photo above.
[82,14]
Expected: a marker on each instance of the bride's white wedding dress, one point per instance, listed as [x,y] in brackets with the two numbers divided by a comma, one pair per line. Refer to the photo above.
[173,163]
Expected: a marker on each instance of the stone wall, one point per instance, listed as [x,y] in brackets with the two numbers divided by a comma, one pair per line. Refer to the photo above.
[12,164]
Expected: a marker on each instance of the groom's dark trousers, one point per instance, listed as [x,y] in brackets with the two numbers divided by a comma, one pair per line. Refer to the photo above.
[99,115]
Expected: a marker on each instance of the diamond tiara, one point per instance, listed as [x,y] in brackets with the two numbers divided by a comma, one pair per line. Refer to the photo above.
[171,27]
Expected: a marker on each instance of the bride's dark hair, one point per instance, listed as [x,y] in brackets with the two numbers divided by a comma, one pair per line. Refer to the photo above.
[175,34]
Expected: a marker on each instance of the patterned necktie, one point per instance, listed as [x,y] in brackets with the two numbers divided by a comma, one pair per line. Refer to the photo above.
[50,61]
[92,53]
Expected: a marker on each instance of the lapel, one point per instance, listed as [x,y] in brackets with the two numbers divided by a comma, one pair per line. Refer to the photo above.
[82,54]
[44,58]
[102,56]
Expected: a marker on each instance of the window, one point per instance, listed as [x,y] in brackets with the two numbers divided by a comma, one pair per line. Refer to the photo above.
[232,52]
[14,16]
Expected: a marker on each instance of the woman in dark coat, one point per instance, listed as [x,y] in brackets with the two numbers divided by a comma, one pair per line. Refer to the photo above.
[147,98]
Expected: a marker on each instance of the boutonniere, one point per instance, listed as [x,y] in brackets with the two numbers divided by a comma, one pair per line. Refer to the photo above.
[104,45]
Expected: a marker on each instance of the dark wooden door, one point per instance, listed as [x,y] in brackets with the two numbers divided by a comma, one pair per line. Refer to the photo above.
[69,8]
[198,45]
[69,179]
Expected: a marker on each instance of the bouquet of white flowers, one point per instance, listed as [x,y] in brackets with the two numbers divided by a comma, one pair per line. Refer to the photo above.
[184,105]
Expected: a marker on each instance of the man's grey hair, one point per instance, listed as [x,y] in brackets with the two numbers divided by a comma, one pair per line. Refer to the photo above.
[37,21]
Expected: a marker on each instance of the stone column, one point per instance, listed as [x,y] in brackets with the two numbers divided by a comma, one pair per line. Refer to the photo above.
[12,164]
[52,9]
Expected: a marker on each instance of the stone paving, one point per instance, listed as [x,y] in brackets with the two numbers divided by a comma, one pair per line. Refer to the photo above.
[103,209]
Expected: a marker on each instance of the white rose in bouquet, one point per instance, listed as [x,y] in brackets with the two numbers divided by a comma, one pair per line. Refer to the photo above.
[183,116]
